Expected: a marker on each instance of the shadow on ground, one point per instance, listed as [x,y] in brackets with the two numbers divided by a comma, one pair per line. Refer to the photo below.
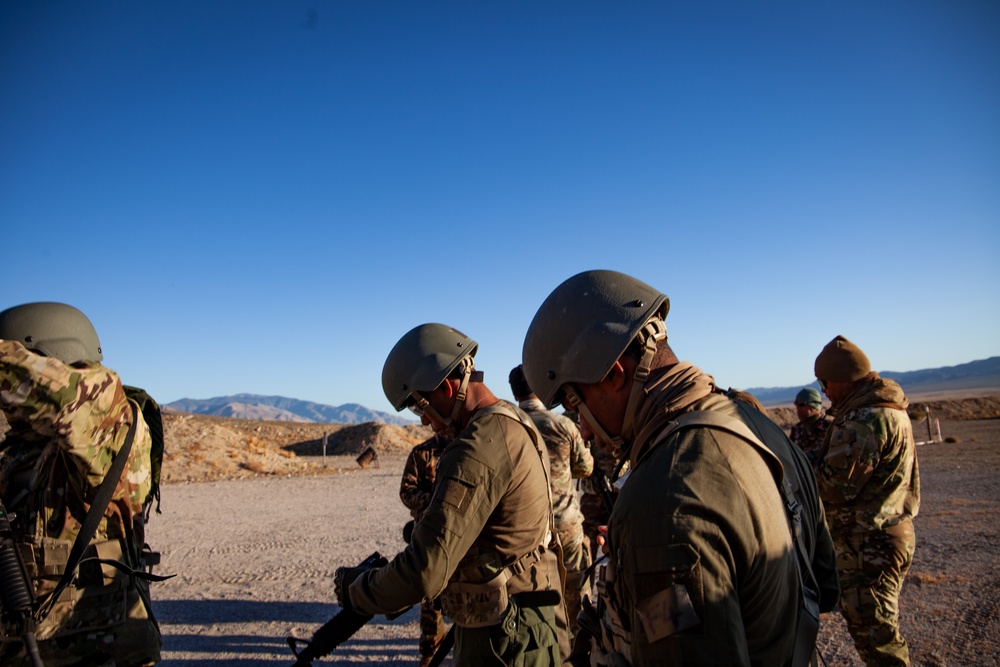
[210,633]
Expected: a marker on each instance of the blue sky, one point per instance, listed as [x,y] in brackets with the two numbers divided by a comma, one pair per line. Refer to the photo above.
[263,197]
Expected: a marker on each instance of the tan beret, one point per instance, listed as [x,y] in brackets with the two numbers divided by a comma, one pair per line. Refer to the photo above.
[842,361]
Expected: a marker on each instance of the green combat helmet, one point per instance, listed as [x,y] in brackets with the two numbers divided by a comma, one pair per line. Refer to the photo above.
[809,396]
[421,361]
[53,329]
[582,328]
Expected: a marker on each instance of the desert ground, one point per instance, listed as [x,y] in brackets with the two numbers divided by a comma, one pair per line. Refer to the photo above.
[255,521]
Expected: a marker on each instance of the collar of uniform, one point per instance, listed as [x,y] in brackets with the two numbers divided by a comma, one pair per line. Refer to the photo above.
[531,404]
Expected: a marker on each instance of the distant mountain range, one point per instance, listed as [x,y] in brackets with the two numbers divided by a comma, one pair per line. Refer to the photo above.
[279,408]
[981,374]
[973,375]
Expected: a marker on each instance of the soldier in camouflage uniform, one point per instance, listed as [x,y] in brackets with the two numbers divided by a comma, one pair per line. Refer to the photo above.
[69,417]
[810,432]
[484,545]
[870,484]
[416,490]
[569,459]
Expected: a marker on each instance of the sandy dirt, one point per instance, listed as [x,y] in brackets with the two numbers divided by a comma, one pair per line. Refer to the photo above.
[255,550]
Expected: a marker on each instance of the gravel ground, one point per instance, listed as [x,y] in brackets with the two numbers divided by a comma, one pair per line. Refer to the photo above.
[255,558]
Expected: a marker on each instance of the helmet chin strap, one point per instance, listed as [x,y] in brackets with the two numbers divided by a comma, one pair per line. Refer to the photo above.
[616,443]
[450,429]
[649,337]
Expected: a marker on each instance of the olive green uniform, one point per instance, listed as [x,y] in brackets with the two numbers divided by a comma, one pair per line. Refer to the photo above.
[701,565]
[490,515]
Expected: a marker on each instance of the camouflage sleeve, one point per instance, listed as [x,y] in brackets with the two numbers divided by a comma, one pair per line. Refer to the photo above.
[847,465]
[413,497]
[581,460]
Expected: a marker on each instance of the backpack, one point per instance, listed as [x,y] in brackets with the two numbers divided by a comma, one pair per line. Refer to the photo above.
[154,421]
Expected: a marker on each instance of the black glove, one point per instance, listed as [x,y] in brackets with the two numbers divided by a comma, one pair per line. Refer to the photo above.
[343,577]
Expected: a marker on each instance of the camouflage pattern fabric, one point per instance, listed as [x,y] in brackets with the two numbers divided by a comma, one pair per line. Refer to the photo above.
[810,433]
[569,458]
[416,490]
[419,474]
[872,567]
[870,484]
[67,423]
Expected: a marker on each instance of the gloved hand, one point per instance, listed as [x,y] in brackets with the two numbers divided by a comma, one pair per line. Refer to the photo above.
[342,579]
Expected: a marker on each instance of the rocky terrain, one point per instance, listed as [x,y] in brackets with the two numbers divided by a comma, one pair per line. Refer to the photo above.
[203,448]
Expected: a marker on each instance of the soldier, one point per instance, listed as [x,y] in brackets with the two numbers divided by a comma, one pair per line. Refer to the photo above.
[69,418]
[813,424]
[415,490]
[569,459]
[484,545]
[703,561]
[869,481]
[597,495]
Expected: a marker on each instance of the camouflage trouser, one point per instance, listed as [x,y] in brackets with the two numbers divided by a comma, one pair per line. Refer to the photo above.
[594,514]
[872,567]
[576,559]
[525,636]
[432,630]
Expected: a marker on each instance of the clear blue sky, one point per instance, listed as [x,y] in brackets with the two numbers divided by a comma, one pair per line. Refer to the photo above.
[262,197]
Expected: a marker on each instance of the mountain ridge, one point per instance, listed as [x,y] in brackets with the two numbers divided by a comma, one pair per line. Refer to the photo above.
[282,408]
[974,375]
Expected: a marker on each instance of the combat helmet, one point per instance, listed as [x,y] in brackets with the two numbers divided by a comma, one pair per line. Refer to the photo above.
[583,327]
[53,329]
[421,360]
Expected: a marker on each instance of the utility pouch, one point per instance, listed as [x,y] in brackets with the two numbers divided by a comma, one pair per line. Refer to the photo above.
[477,605]
[99,602]
[613,646]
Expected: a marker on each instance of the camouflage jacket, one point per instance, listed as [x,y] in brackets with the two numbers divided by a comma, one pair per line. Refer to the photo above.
[419,473]
[76,419]
[867,473]
[569,459]
[67,423]
[810,433]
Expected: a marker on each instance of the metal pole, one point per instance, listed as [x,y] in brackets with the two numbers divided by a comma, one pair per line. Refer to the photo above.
[326,436]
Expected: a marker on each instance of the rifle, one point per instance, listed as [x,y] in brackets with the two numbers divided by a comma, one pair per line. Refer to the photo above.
[338,629]
[17,596]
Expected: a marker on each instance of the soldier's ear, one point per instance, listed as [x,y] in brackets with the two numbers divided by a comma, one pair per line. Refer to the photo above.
[616,378]
[449,387]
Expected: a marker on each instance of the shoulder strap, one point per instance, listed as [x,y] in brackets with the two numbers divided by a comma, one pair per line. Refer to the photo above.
[94,516]
[809,616]
[507,410]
